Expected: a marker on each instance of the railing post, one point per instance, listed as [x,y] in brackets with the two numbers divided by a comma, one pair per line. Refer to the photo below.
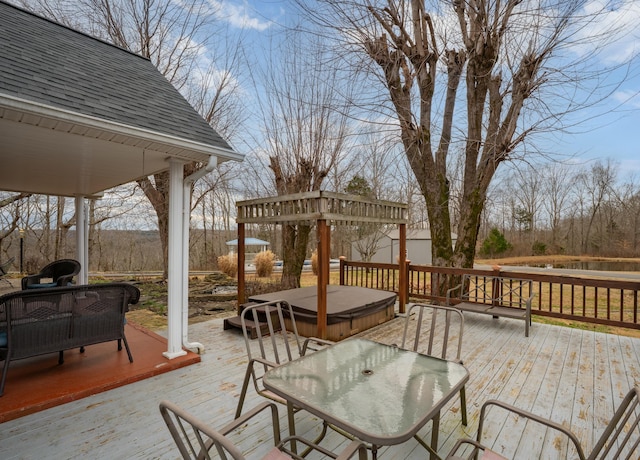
[403,305]
[343,264]
[496,286]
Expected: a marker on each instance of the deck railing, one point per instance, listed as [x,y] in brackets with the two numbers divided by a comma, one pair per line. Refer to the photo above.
[594,300]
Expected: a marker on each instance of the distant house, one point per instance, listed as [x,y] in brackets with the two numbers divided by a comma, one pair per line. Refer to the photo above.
[418,248]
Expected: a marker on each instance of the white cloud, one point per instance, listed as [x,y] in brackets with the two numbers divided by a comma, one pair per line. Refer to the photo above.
[240,15]
[629,98]
[617,24]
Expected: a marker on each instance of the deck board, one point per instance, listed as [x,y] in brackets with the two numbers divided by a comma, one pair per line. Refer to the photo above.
[575,376]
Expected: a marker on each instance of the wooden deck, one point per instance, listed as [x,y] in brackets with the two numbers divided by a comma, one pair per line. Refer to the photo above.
[575,377]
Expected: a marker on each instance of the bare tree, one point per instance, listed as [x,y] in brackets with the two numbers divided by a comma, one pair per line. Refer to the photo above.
[595,184]
[305,128]
[556,183]
[502,62]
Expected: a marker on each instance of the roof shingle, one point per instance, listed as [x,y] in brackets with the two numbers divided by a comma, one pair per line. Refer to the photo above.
[50,64]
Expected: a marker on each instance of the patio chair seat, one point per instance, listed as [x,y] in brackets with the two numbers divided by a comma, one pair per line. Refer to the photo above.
[41,285]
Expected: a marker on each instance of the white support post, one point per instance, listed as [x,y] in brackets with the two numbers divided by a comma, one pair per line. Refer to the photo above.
[82,240]
[186,218]
[174,291]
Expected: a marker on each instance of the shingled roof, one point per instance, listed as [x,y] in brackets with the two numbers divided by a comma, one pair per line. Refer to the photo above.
[47,63]
[79,116]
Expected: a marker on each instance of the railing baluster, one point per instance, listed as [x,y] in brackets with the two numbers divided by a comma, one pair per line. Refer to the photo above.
[557,296]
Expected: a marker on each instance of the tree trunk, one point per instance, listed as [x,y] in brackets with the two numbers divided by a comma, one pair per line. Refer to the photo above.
[297,238]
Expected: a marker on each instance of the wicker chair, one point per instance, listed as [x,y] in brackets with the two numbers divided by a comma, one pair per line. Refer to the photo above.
[4,268]
[60,272]
[195,439]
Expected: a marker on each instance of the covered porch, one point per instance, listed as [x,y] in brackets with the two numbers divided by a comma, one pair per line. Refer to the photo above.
[576,377]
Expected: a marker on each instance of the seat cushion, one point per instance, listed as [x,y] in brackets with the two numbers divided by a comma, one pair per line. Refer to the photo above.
[41,285]
[491,455]
[276,454]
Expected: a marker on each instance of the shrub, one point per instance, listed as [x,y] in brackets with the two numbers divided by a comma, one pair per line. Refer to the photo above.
[539,248]
[264,263]
[228,264]
[494,244]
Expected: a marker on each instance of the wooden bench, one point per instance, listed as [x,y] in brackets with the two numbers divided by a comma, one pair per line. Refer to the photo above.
[39,321]
[498,296]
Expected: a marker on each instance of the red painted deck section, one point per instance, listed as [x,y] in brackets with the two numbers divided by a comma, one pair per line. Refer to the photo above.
[35,384]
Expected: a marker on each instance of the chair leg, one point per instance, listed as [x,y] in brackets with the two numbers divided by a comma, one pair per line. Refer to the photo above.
[463,405]
[126,346]
[61,357]
[243,393]
[4,374]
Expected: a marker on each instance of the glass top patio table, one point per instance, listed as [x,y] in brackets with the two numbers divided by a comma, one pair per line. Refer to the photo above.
[379,393]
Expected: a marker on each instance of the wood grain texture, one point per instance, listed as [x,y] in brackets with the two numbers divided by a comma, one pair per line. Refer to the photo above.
[576,377]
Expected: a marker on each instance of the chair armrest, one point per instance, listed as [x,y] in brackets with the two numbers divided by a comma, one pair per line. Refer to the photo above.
[528,415]
[64,280]
[305,345]
[275,420]
[30,279]
[450,291]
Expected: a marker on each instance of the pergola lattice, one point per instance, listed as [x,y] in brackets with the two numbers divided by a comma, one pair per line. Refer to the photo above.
[322,209]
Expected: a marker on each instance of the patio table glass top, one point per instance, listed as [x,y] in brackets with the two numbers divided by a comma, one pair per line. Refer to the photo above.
[380,393]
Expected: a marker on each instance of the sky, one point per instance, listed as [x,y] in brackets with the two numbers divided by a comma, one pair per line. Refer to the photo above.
[609,130]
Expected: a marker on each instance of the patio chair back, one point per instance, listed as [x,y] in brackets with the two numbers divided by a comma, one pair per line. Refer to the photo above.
[621,438]
[436,330]
[60,271]
[277,342]
[196,440]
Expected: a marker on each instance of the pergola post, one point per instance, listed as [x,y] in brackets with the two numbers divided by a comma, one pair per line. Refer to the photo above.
[402,269]
[324,244]
[241,283]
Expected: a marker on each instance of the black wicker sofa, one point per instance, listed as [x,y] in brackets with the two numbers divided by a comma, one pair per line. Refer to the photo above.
[40,321]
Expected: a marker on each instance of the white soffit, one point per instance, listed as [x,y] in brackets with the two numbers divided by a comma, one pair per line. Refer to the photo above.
[51,151]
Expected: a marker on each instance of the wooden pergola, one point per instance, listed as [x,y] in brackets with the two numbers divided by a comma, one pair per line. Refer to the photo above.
[322,209]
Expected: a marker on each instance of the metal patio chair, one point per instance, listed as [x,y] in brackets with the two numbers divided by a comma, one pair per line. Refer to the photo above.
[60,272]
[196,440]
[434,333]
[277,342]
[620,439]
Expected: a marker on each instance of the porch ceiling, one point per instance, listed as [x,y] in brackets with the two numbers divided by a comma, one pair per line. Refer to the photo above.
[50,151]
